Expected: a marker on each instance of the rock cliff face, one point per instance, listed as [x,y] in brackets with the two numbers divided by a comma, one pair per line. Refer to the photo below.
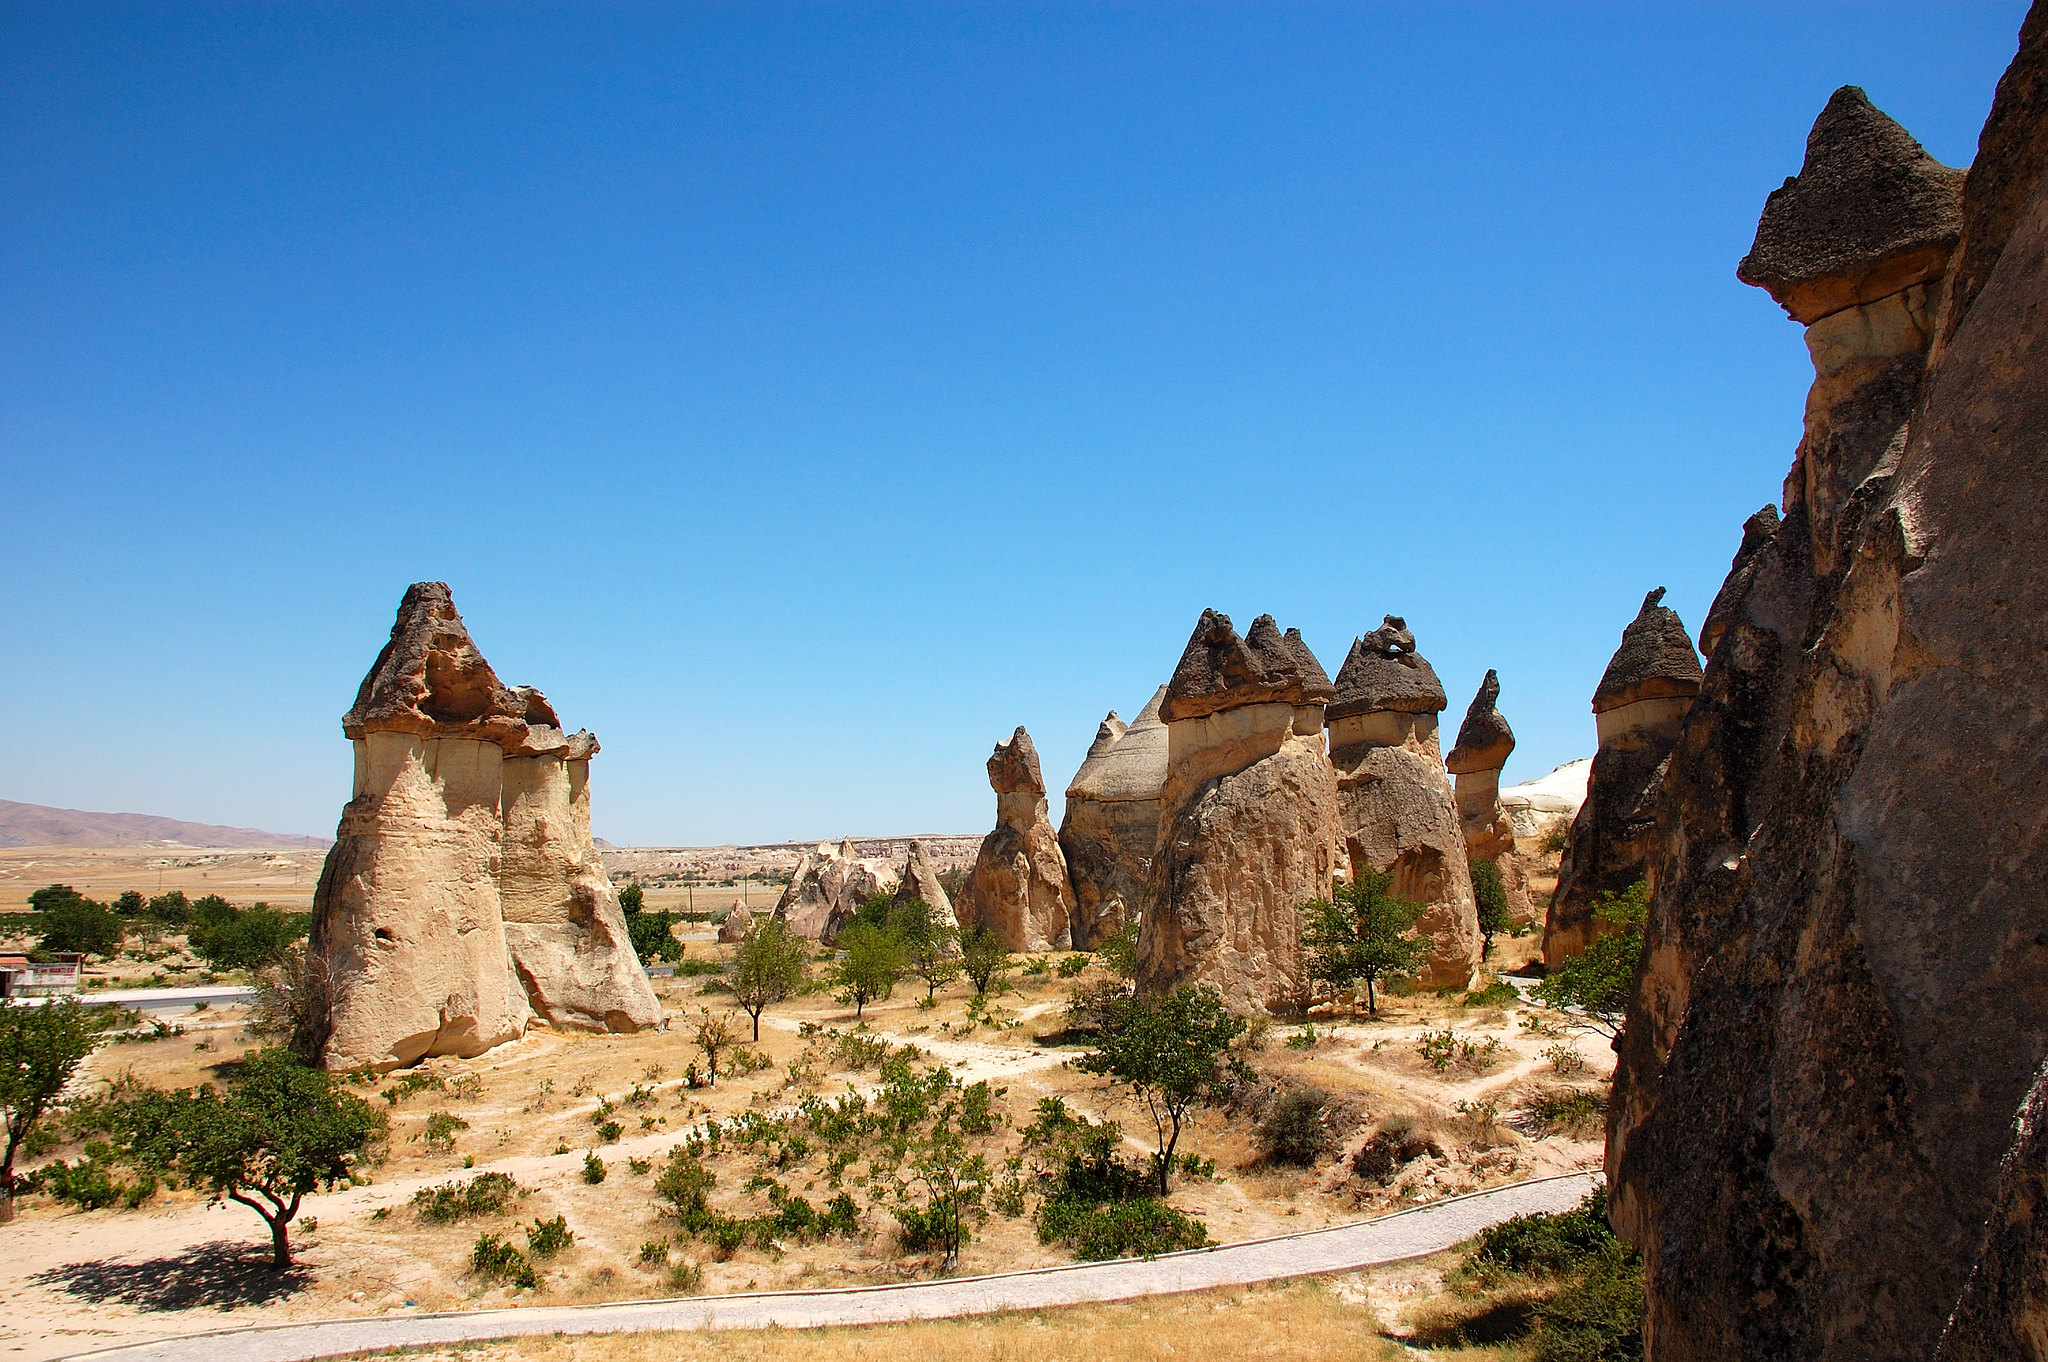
[1248,817]
[1843,1003]
[1394,802]
[1640,707]
[1019,886]
[826,887]
[921,881]
[1112,822]
[1484,744]
[458,779]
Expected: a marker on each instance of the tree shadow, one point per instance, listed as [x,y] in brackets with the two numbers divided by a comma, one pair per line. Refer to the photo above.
[220,1276]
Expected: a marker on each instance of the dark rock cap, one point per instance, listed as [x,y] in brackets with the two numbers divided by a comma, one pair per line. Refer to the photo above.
[1383,671]
[431,681]
[1757,531]
[1484,739]
[1869,213]
[1219,671]
[1655,659]
[1014,766]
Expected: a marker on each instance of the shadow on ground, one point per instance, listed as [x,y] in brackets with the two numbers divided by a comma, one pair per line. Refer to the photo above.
[220,1276]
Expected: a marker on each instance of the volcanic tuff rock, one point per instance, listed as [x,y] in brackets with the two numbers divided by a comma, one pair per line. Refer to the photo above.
[1247,818]
[737,922]
[1484,744]
[826,887]
[1394,802]
[1639,708]
[1112,822]
[1843,1004]
[921,881]
[467,795]
[1019,887]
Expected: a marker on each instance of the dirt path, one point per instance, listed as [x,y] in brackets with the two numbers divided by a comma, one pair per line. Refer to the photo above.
[1408,1234]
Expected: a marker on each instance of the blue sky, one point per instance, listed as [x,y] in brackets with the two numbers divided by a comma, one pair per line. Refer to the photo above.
[804,396]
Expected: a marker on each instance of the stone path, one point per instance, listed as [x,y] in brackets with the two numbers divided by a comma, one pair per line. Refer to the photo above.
[1340,1248]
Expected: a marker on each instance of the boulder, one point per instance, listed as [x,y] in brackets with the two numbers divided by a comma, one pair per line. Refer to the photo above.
[920,880]
[458,777]
[1394,800]
[737,922]
[828,884]
[1019,887]
[1639,708]
[1248,825]
[1112,822]
[1825,1134]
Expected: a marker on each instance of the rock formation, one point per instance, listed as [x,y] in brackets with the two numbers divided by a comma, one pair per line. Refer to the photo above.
[737,922]
[1248,817]
[461,780]
[1484,744]
[1019,886]
[1112,822]
[826,887]
[1639,708]
[1843,1005]
[1394,801]
[920,880]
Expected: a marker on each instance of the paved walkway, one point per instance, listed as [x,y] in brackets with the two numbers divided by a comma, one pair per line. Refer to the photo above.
[1341,1248]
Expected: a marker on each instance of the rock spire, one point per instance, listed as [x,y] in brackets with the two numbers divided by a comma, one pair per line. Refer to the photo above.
[1019,885]
[1112,822]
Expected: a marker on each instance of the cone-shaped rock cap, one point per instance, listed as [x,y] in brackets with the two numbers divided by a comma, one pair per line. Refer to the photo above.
[1484,739]
[1219,671]
[1655,659]
[1383,671]
[1014,766]
[1130,766]
[431,681]
[1869,213]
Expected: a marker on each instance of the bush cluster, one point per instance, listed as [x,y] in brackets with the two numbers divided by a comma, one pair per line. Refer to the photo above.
[1594,1312]
[484,1194]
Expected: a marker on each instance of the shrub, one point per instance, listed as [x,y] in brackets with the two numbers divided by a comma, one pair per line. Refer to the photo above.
[685,1184]
[494,1258]
[440,1130]
[1596,983]
[88,1184]
[1569,1109]
[654,1253]
[692,969]
[1564,1057]
[484,1194]
[244,938]
[1071,966]
[1396,1144]
[1291,1129]
[546,1238]
[686,1279]
[1126,1229]
[1543,1243]
[1499,993]
[414,1081]
[593,1168]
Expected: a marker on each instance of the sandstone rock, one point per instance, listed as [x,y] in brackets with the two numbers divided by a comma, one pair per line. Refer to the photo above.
[1395,804]
[1548,801]
[1248,818]
[1869,214]
[737,922]
[409,918]
[826,887]
[1112,822]
[1842,1004]
[1639,708]
[1484,744]
[920,880]
[1019,886]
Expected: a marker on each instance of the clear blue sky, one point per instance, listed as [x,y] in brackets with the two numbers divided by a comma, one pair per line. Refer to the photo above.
[806,396]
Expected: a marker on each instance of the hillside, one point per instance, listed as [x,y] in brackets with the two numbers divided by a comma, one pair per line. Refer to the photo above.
[35,825]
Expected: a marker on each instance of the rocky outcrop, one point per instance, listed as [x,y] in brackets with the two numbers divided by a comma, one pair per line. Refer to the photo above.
[1842,1003]
[1394,802]
[1112,822]
[1019,887]
[1639,709]
[1248,817]
[737,922]
[459,778]
[920,880]
[1484,744]
[828,884]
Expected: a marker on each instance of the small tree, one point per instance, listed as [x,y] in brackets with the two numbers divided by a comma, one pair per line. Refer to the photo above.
[955,1183]
[293,1002]
[130,904]
[1119,951]
[40,1048]
[1490,897]
[278,1132]
[1361,934]
[870,962]
[767,965]
[873,910]
[69,922]
[714,1034]
[172,909]
[985,956]
[931,945]
[652,934]
[1172,1052]
[1596,983]
[632,898]
[247,938]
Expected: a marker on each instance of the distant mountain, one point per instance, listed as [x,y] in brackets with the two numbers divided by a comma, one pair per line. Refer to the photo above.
[36,825]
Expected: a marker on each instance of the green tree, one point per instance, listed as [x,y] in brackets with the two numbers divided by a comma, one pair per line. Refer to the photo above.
[40,1047]
[767,966]
[1596,983]
[278,1132]
[631,898]
[130,904]
[985,956]
[652,934]
[245,938]
[1119,951]
[1490,897]
[714,1034]
[69,922]
[873,910]
[870,962]
[172,909]
[1173,1053]
[952,1181]
[931,945]
[1360,934]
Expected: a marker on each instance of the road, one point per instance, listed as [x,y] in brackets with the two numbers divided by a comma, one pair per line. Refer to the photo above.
[1339,1248]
